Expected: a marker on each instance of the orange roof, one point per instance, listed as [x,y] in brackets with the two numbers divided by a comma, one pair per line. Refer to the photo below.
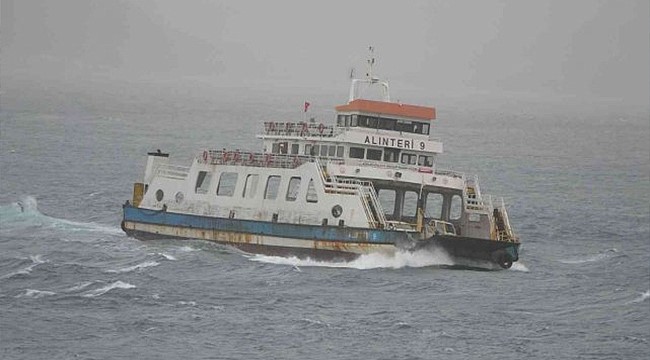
[389,108]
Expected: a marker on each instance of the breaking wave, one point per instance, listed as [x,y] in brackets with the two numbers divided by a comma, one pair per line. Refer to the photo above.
[35,294]
[603,255]
[140,266]
[103,290]
[36,260]
[398,260]
[642,297]
[24,213]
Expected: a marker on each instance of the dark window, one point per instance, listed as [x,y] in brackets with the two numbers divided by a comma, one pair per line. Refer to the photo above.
[307,149]
[331,152]
[272,186]
[409,159]
[424,160]
[202,182]
[339,151]
[354,120]
[294,148]
[227,182]
[372,122]
[391,155]
[387,124]
[250,188]
[312,195]
[340,120]
[357,153]
[323,150]
[275,148]
[373,154]
[425,129]
[293,189]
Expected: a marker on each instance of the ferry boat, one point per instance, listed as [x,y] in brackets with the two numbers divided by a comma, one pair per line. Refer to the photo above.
[364,184]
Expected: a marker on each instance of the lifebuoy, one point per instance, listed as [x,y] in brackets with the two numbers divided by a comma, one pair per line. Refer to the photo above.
[205,156]
[321,128]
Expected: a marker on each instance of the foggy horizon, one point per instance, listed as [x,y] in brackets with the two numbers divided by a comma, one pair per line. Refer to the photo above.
[587,49]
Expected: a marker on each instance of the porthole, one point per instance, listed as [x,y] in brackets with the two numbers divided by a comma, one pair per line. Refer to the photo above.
[159,195]
[179,197]
[337,210]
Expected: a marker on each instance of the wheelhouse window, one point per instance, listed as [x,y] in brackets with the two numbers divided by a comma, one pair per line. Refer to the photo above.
[409,159]
[387,200]
[373,154]
[339,151]
[357,152]
[391,155]
[202,182]
[424,160]
[308,149]
[250,188]
[293,189]
[312,195]
[331,151]
[387,124]
[295,148]
[227,182]
[410,204]
[272,187]
[323,150]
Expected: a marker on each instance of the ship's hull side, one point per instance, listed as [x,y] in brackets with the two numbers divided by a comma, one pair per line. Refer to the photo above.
[338,243]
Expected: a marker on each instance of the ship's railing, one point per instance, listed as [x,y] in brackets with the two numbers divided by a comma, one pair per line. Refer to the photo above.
[225,157]
[176,172]
[364,189]
[301,129]
[506,233]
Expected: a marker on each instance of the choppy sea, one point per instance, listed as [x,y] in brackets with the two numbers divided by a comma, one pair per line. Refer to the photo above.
[575,173]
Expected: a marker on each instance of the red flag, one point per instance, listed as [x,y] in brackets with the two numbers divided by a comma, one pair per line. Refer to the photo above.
[307,106]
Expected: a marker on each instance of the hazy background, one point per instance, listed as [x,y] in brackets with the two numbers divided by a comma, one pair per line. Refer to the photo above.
[583,49]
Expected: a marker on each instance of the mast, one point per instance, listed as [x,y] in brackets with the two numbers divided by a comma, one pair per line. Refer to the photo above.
[370,79]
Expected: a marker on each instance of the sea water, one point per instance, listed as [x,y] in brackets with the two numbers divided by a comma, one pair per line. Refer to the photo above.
[574,173]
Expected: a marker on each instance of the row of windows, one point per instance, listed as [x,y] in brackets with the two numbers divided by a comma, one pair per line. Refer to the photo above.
[372,122]
[388,154]
[391,155]
[228,181]
[432,204]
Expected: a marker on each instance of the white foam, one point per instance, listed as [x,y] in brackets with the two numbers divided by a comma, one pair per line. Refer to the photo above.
[591,258]
[80,286]
[519,266]
[36,260]
[642,297]
[140,266]
[167,256]
[397,260]
[35,294]
[101,291]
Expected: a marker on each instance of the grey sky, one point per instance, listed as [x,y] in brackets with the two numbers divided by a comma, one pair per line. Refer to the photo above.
[587,48]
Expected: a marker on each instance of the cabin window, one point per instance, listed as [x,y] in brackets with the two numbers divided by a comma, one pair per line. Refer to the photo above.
[339,151]
[354,120]
[283,147]
[387,124]
[387,200]
[391,155]
[456,207]
[307,149]
[295,148]
[293,189]
[331,151]
[202,182]
[433,207]
[417,127]
[227,182]
[425,129]
[250,188]
[424,160]
[340,120]
[315,150]
[275,148]
[403,126]
[312,195]
[272,187]
[357,153]
[373,154]
[410,204]
[409,159]
[323,150]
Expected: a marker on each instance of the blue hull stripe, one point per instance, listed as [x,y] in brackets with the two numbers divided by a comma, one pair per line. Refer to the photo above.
[295,231]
